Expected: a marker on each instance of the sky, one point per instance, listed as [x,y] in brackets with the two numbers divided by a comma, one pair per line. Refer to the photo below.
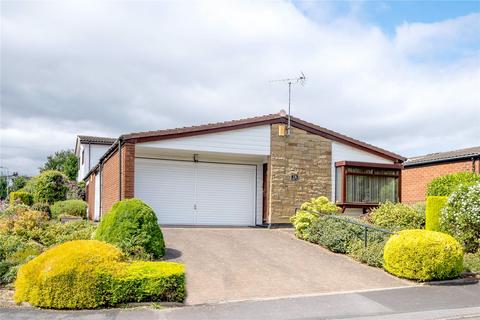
[404,75]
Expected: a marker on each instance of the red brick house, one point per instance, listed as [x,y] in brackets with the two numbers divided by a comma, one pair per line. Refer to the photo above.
[244,172]
[419,171]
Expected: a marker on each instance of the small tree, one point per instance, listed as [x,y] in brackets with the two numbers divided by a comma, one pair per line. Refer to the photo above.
[49,186]
[18,183]
[64,161]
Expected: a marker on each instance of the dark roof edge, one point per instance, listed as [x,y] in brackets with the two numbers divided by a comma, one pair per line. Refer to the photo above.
[454,159]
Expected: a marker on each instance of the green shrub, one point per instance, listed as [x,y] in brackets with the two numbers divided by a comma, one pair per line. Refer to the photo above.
[301,221]
[132,226]
[75,190]
[148,281]
[76,208]
[471,262]
[333,234]
[461,217]
[371,255]
[49,186]
[21,197]
[396,216]
[320,204]
[57,232]
[433,210]
[91,274]
[42,207]
[423,255]
[448,184]
[14,210]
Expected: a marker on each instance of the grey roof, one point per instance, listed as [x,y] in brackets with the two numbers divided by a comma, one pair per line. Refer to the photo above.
[444,156]
[96,140]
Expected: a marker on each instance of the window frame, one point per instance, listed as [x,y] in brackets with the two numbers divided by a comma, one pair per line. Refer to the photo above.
[343,166]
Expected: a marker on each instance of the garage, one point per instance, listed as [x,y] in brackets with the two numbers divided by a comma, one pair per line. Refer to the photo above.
[197,193]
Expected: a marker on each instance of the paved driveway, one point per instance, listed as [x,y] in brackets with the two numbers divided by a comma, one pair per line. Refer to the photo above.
[225,264]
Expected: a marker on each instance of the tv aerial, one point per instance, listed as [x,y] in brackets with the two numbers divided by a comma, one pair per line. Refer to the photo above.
[298,80]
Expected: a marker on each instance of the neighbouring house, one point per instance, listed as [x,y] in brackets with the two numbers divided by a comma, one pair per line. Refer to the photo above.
[88,150]
[419,171]
[247,172]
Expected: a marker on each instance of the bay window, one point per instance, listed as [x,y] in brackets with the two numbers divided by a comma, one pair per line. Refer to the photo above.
[364,184]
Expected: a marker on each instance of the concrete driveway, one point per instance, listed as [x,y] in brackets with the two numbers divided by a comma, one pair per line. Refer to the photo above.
[226,264]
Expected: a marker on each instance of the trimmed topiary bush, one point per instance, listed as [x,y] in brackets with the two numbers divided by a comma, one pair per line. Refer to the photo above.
[71,280]
[132,226]
[76,208]
[397,216]
[461,217]
[423,255]
[21,197]
[433,210]
[49,186]
[90,274]
[448,184]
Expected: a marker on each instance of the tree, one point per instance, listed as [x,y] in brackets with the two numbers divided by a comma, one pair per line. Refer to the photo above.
[64,161]
[18,183]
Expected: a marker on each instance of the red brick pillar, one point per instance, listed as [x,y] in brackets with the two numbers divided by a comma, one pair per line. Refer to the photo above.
[128,170]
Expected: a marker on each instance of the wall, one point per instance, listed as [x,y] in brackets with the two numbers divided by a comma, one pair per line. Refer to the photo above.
[91,196]
[254,140]
[110,177]
[416,179]
[92,154]
[302,153]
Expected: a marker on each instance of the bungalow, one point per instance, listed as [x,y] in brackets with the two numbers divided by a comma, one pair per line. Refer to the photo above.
[419,171]
[247,172]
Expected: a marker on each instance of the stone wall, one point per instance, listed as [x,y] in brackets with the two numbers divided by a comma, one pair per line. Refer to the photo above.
[305,155]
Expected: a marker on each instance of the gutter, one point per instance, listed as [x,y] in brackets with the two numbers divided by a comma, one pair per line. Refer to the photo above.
[120,168]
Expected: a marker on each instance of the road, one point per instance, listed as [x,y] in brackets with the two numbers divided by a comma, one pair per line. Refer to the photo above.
[421,302]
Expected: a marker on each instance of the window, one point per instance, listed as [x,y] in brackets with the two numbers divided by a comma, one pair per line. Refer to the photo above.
[82,157]
[363,183]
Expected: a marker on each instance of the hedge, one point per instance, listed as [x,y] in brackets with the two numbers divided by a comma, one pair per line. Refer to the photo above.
[448,184]
[76,208]
[133,227]
[423,255]
[21,196]
[435,204]
[87,274]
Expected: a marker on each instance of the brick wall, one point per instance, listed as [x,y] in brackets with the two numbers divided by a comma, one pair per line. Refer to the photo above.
[110,177]
[302,153]
[91,196]
[416,179]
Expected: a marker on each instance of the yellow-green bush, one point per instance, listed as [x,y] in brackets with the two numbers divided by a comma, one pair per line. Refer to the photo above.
[301,221]
[320,204]
[86,274]
[433,210]
[22,197]
[67,276]
[423,255]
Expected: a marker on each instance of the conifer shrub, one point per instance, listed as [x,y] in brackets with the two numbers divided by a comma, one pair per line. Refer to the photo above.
[423,255]
[86,274]
[132,226]
[21,197]
[435,204]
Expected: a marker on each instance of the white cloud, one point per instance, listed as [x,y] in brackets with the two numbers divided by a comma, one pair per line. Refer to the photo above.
[112,68]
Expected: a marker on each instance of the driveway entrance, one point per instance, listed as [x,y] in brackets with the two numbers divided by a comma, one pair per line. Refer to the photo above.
[225,264]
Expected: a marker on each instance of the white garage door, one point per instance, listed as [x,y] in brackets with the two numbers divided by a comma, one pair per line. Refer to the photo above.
[188,193]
